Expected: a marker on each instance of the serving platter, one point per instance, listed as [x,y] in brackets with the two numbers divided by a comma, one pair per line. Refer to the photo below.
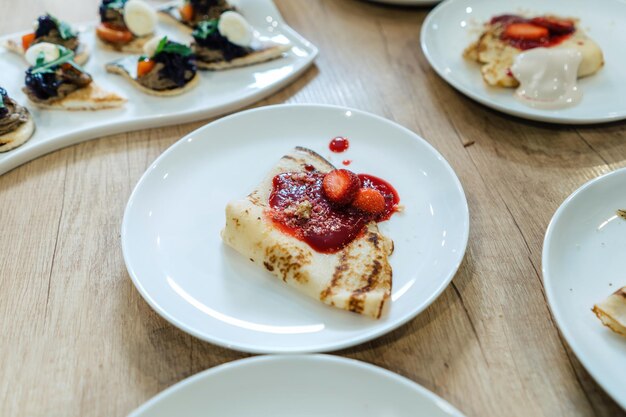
[178,262]
[218,93]
[454,24]
[296,385]
[583,263]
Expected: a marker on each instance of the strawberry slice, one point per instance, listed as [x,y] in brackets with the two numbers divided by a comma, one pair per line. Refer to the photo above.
[525,31]
[369,200]
[554,25]
[341,186]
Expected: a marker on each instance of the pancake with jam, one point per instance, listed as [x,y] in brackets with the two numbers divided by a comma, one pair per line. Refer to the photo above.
[189,13]
[126,25]
[506,36]
[51,30]
[16,123]
[230,42]
[167,68]
[315,228]
[612,311]
[55,81]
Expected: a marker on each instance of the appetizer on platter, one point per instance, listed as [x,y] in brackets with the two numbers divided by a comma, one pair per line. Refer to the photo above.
[126,25]
[51,30]
[191,12]
[55,81]
[229,41]
[315,228]
[16,123]
[612,311]
[507,36]
[167,69]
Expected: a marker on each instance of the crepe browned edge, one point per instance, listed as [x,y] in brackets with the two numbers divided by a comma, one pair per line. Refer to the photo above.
[607,317]
[17,137]
[371,236]
[255,57]
[81,57]
[133,47]
[114,68]
[91,97]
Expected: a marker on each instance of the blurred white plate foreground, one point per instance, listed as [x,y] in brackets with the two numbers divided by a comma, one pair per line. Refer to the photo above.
[407,2]
[219,92]
[176,258]
[583,263]
[304,386]
[454,24]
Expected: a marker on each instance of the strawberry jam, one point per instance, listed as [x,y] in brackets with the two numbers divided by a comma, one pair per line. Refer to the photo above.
[299,208]
[555,30]
[339,144]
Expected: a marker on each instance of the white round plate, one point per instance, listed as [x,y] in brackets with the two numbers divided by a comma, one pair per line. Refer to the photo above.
[454,24]
[176,258]
[583,263]
[305,386]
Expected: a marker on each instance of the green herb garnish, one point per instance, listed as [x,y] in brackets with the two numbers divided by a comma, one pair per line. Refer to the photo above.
[65,30]
[166,45]
[65,56]
[1,102]
[205,29]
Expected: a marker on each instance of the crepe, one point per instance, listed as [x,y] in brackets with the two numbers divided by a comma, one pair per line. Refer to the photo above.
[81,56]
[255,57]
[133,47]
[356,278]
[612,311]
[91,97]
[126,67]
[496,55]
[17,137]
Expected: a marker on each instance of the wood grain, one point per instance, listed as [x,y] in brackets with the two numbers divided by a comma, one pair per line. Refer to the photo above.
[78,340]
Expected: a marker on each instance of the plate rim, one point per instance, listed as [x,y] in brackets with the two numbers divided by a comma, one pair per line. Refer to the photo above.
[318,357]
[494,104]
[550,295]
[363,337]
[31,151]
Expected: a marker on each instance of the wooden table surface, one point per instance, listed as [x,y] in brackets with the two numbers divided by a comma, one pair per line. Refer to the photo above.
[77,339]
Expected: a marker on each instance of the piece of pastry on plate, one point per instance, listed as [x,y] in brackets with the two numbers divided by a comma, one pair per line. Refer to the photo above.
[167,69]
[612,311]
[622,213]
[126,25]
[230,42]
[51,30]
[55,81]
[315,228]
[188,13]
[16,123]
[505,37]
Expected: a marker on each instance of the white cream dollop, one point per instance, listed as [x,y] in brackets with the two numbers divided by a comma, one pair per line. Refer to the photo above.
[140,18]
[235,28]
[50,52]
[547,77]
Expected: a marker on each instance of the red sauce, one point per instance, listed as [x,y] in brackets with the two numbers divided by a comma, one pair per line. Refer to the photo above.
[346,162]
[557,34]
[339,144]
[299,208]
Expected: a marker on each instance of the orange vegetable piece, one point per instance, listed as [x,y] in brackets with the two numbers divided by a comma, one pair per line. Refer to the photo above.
[113,35]
[145,66]
[27,40]
[186,12]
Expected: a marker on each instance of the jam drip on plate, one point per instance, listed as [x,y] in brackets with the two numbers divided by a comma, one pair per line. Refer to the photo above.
[339,144]
[524,33]
[299,208]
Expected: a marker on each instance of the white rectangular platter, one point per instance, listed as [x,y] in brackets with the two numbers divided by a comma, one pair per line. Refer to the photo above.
[218,93]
